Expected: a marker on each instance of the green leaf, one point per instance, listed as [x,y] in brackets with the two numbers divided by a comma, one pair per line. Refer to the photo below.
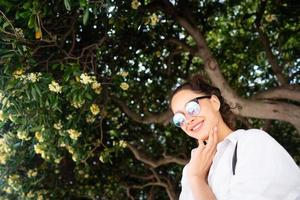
[86,16]
[27,5]
[67,4]
[5,24]
[82,3]
[31,21]
[37,90]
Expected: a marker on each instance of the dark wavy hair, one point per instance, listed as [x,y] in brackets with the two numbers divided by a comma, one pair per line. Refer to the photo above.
[199,85]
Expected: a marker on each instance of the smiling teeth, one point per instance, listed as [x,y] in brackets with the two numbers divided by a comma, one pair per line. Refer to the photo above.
[196,127]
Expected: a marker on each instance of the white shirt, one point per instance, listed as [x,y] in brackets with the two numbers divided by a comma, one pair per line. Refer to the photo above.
[264,170]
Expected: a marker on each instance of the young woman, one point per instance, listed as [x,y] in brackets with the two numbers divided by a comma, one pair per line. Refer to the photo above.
[229,164]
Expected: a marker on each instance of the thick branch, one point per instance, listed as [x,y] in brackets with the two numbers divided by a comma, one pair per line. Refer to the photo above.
[155,163]
[291,92]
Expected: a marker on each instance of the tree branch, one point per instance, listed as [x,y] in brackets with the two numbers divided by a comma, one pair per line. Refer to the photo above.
[291,92]
[267,46]
[147,119]
[155,163]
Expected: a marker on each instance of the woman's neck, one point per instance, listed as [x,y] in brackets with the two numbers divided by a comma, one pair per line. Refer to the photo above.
[223,131]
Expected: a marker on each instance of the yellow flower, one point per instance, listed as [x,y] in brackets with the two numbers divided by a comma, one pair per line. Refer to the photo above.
[58,125]
[74,157]
[135,4]
[101,159]
[13,180]
[32,173]
[40,197]
[57,160]
[8,190]
[11,118]
[95,109]
[39,136]
[38,148]
[30,194]
[70,149]
[23,135]
[55,87]
[1,116]
[86,79]
[124,74]
[270,17]
[153,19]
[74,134]
[97,87]
[5,151]
[124,86]
[77,104]
[18,73]
[122,144]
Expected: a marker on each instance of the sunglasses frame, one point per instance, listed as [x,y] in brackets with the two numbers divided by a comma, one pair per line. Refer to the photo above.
[195,100]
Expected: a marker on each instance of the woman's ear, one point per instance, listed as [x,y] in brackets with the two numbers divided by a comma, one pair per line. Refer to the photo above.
[216,104]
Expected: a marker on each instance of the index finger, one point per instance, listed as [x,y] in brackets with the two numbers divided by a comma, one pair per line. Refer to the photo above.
[212,139]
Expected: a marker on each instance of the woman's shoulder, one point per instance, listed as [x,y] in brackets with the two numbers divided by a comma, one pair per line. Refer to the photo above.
[255,135]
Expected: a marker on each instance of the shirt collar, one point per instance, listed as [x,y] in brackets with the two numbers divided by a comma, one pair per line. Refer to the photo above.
[231,138]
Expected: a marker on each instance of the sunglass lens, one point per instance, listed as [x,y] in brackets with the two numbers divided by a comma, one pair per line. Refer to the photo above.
[192,108]
[178,119]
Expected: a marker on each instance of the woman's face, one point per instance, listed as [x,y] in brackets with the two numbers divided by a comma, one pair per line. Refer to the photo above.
[197,126]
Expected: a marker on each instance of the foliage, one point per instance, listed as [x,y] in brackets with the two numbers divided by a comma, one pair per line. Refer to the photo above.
[73,72]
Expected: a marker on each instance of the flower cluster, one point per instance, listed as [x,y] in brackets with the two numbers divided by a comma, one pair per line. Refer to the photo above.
[5,151]
[31,77]
[88,79]
[23,135]
[55,87]
[124,86]
[121,143]
[32,173]
[95,109]
[74,134]
[77,104]
[39,136]
[58,125]
[135,4]
[153,19]
[270,17]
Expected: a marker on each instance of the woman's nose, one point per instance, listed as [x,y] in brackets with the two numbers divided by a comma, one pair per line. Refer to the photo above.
[189,119]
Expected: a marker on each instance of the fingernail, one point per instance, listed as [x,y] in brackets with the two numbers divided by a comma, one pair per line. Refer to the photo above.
[215,129]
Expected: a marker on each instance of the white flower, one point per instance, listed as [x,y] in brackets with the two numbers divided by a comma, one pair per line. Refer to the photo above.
[34,77]
[58,125]
[74,134]
[55,87]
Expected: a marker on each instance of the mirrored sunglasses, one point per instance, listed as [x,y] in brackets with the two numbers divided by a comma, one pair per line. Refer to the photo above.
[192,108]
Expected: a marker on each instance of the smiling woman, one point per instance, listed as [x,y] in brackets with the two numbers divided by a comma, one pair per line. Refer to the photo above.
[229,164]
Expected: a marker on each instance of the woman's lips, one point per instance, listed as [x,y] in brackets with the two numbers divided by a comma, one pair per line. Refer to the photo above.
[197,127]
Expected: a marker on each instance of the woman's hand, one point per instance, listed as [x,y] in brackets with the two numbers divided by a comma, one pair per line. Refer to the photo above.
[202,157]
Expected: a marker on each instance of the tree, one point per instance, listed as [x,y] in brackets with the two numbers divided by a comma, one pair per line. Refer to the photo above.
[85,87]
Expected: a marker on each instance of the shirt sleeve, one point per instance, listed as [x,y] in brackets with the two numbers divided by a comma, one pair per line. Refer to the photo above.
[264,170]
